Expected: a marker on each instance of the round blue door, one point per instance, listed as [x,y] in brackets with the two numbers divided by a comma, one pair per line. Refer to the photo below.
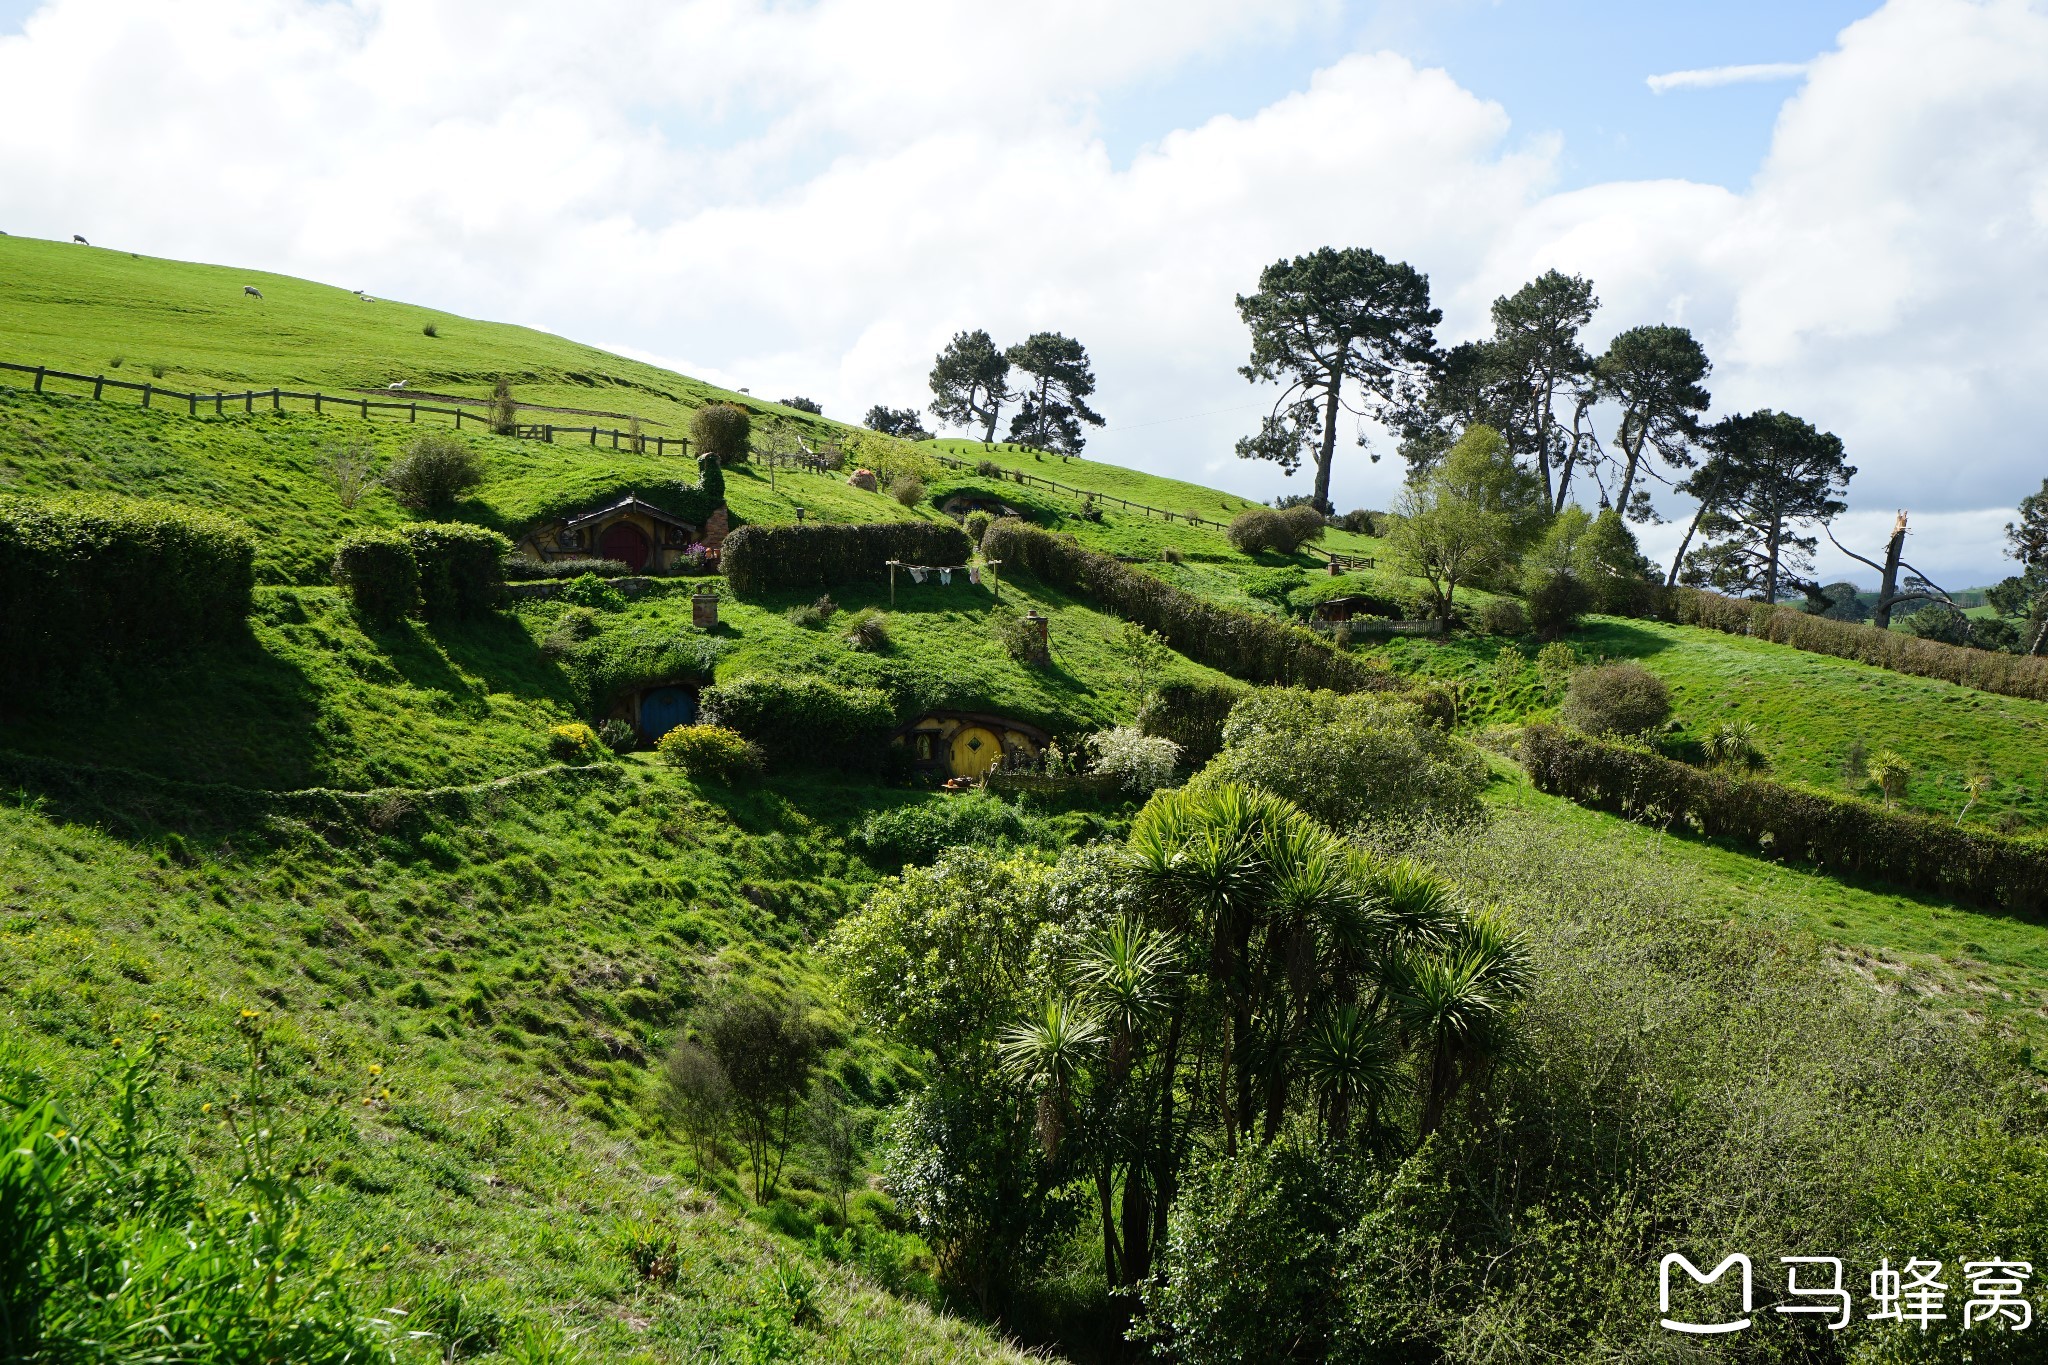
[664,708]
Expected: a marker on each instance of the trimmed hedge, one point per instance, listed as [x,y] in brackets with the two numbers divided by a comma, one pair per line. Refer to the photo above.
[521,569]
[760,559]
[1835,833]
[461,567]
[803,719]
[97,582]
[1191,714]
[2010,675]
[1255,648]
[378,572]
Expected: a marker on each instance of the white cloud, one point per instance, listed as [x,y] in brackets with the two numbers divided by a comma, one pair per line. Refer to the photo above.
[812,199]
[1707,78]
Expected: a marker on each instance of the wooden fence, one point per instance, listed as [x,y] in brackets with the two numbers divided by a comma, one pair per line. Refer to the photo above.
[363,407]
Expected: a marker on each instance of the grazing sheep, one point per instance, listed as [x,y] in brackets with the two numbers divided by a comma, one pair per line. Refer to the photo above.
[80,240]
[252,291]
[396,384]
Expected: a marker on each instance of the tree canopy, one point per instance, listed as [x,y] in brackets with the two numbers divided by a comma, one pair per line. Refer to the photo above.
[1054,404]
[971,382]
[1769,472]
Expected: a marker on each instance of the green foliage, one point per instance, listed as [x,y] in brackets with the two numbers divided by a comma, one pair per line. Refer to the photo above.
[1448,539]
[461,568]
[1191,714]
[721,431]
[437,470]
[618,735]
[377,571]
[710,753]
[907,489]
[1480,471]
[811,615]
[760,559]
[1504,616]
[918,833]
[868,632]
[1255,648]
[1259,529]
[1347,760]
[976,524]
[768,1051]
[591,593]
[575,742]
[1137,763]
[1616,699]
[803,718]
[1844,836]
[518,568]
[91,585]
[2008,674]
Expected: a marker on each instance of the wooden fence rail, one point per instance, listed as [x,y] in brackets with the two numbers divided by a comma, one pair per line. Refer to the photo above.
[357,406]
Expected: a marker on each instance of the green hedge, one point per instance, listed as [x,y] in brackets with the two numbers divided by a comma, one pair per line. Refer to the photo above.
[1255,648]
[1191,714]
[2011,675]
[760,559]
[804,719]
[461,567]
[377,571]
[1835,833]
[93,583]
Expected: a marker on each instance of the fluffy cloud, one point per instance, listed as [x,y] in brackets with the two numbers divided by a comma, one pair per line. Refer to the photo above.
[811,199]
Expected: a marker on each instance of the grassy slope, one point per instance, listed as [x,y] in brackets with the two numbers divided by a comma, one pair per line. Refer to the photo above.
[1810,710]
[509,974]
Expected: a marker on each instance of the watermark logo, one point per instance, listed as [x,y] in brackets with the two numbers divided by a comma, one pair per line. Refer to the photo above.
[1914,1295]
[1696,1328]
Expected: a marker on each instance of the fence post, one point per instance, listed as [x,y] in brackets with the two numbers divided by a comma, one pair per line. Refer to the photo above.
[39,379]
[191,405]
[277,400]
[549,428]
[458,419]
[412,411]
[316,405]
[96,387]
[218,400]
[249,401]
[593,435]
[145,395]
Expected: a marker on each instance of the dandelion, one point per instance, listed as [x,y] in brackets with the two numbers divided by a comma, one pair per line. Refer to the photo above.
[117,1042]
[248,1014]
[386,1093]
[375,1069]
[206,1108]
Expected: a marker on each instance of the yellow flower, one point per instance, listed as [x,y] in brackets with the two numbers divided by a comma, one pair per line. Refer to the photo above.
[248,1014]
[387,1092]
[206,1108]
[375,1069]
[117,1042]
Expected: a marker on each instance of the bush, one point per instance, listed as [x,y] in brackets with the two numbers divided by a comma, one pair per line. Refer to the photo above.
[976,525]
[592,592]
[1258,529]
[760,559]
[721,431]
[376,570]
[1255,648]
[1360,522]
[803,718]
[812,615]
[1191,714]
[1503,616]
[1140,763]
[1020,639]
[435,471]
[1347,759]
[907,489]
[1557,601]
[1616,699]
[709,753]
[1838,834]
[96,583]
[618,736]
[869,632]
[461,567]
[2011,675]
[521,569]
[918,833]
[574,742]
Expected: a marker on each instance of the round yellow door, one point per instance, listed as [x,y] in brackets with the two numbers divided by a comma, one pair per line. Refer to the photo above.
[975,751]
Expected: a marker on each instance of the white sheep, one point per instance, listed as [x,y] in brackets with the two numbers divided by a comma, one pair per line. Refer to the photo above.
[252,291]
[396,384]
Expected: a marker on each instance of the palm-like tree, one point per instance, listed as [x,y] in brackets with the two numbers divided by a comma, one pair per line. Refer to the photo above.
[1051,1052]
[1348,1057]
[1454,1003]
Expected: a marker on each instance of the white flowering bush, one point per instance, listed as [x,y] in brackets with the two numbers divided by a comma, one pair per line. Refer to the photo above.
[1141,763]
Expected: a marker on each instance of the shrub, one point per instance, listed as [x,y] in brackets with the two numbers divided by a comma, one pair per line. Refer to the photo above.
[1838,834]
[1555,664]
[709,753]
[591,592]
[1360,522]
[1503,616]
[519,568]
[1304,523]
[918,833]
[1891,774]
[436,470]
[1170,555]
[869,632]
[721,431]
[1556,602]
[907,489]
[377,571]
[1616,699]
[1255,648]
[504,408]
[1258,529]
[97,582]
[989,469]
[760,559]
[803,718]
[1347,759]
[430,330]
[1140,763]
[461,567]
[618,736]
[574,742]
[1021,640]
[2011,675]
[812,615]
[1191,714]
[577,625]
[976,525]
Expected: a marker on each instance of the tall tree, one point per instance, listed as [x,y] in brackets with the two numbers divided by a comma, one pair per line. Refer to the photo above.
[1054,404]
[2023,598]
[1770,472]
[1540,365]
[971,382]
[1318,321]
[902,423]
[1654,374]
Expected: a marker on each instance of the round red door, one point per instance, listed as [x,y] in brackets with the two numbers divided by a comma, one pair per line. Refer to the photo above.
[627,543]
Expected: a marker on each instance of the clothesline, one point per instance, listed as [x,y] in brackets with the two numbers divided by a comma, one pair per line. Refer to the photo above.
[920,573]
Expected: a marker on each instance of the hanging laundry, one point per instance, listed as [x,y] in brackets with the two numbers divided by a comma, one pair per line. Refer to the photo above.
[945,576]
[917,573]
[974,576]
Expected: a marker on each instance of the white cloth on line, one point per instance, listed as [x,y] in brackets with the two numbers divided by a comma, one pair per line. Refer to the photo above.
[917,573]
[945,576]
[974,577]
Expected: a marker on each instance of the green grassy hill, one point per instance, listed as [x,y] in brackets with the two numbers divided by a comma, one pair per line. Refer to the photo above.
[470,964]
